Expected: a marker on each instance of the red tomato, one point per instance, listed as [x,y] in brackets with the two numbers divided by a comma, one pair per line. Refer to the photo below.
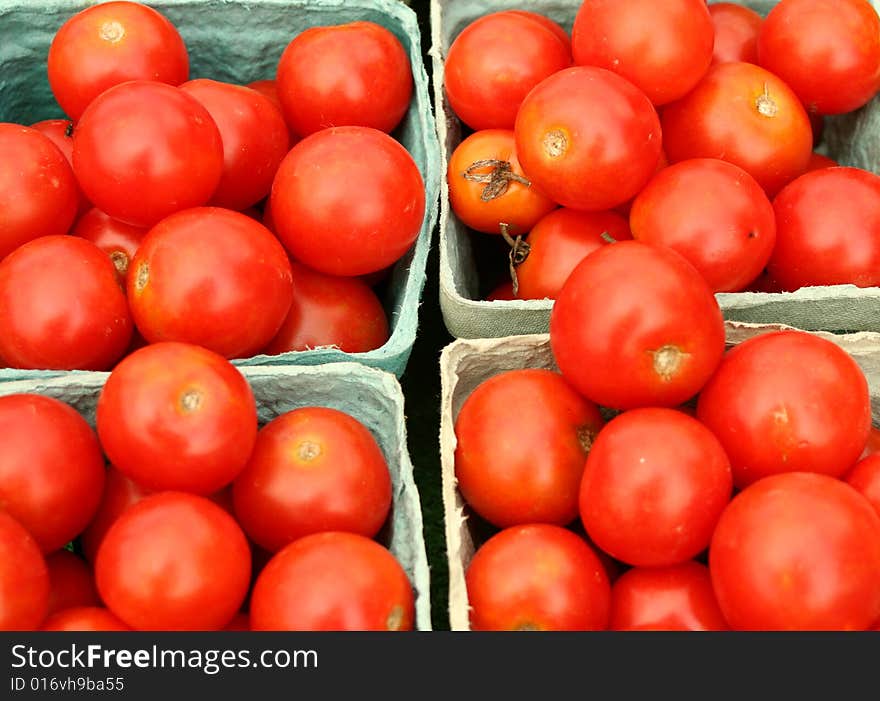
[212,277]
[355,74]
[140,165]
[712,213]
[655,483]
[744,115]
[537,577]
[254,137]
[24,578]
[636,325]
[588,138]
[335,229]
[873,445]
[60,133]
[84,618]
[333,581]
[269,88]
[70,582]
[109,44]
[530,472]
[174,561]
[176,416]
[818,161]
[241,621]
[865,479]
[797,552]
[38,193]
[496,60]
[504,292]
[330,311]
[118,240]
[679,597]
[313,469]
[736,33]
[828,51]
[828,230]
[120,492]
[787,401]
[664,48]
[61,307]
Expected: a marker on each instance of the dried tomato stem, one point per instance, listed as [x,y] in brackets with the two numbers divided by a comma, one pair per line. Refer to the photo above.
[519,251]
[497,180]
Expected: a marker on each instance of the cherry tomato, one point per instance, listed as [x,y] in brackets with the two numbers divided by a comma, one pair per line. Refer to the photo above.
[84,618]
[537,577]
[503,292]
[636,325]
[333,581]
[865,479]
[354,74]
[177,416]
[118,240]
[70,582]
[588,138]
[818,161]
[736,33]
[496,60]
[797,552]
[528,471]
[787,401]
[60,133]
[24,578]
[119,493]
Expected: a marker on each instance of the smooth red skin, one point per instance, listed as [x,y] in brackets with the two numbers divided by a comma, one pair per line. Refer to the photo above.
[174,561]
[330,311]
[537,577]
[335,229]
[797,552]
[529,473]
[504,292]
[38,193]
[60,133]
[332,581]
[719,118]
[215,278]
[61,307]
[663,48]
[521,206]
[71,583]
[736,33]
[117,239]
[545,21]
[24,578]
[620,305]
[787,401]
[254,137]
[495,61]
[714,214]
[828,230]
[119,493]
[818,161]
[269,88]
[612,133]
[51,468]
[148,434]
[283,495]
[873,444]
[828,51]
[240,622]
[141,165]
[655,483]
[865,479]
[558,242]
[678,597]
[84,618]
[354,74]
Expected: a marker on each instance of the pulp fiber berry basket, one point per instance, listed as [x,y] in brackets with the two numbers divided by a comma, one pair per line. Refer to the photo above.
[852,140]
[371,396]
[239,41]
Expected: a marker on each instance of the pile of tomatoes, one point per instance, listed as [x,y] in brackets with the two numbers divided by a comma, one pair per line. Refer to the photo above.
[201,521]
[245,219]
[672,123]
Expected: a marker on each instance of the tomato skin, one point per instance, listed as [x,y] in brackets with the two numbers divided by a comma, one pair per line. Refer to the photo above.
[588,138]
[747,116]
[503,292]
[60,133]
[537,577]
[177,416]
[496,60]
[828,51]
[333,581]
[174,561]
[354,74]
[211,277]
[873,444]
[714,214]
[313,469]
[679,597]
[797,552]
[828,230]
[269,88]
[84,618]
[119,493]
[70,582]
[818,161]
[24,578]
[657,354]
[662,48]
[865,479]
[787,401]
[736,33]
[117,239]
[240,622]
[324,223]
[39,196]
[528,473]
